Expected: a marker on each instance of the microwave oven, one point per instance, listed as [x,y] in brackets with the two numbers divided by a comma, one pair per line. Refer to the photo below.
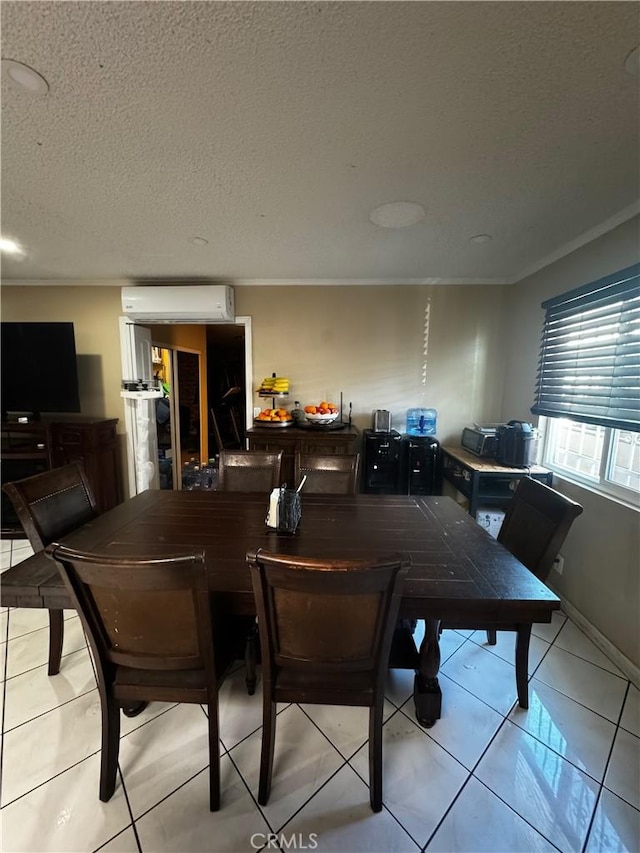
[480,441]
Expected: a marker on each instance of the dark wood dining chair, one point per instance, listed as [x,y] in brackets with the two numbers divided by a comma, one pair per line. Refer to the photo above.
[50,505]
[536,524]
[249,470]
[534,529]
[330,475]
[155,635]
[325,633]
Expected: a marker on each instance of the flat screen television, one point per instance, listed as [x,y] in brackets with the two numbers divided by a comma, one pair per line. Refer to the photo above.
[39,368]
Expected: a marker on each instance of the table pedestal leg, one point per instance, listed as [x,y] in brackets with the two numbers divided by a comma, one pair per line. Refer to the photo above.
[426,690]
[522,664]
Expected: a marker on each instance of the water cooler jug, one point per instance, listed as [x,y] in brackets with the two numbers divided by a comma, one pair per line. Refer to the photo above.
[421,422]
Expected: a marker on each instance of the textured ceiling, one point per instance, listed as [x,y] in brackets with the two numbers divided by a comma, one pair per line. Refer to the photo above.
[272,129]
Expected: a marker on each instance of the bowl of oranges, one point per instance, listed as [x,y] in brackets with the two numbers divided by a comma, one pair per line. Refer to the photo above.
[323,413]
[274,418]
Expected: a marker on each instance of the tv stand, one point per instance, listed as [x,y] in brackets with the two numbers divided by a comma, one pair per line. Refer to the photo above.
[56,440]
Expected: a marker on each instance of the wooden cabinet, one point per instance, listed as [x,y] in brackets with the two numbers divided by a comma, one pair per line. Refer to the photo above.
[30,448]
[292,440]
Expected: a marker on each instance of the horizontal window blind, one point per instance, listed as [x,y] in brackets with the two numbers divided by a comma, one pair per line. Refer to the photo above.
[589,368]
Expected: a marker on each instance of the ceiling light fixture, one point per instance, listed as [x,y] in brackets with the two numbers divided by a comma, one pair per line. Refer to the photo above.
[632,62]
[397,214]
[481,238]
[10,247]
[24,77]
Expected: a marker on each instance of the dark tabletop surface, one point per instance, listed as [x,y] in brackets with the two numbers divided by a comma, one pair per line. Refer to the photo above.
[457,568]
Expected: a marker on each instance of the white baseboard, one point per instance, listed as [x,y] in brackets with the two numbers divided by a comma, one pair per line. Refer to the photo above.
[615,655]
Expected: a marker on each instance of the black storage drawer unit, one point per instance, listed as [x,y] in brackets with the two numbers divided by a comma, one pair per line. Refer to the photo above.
[423,466]
[382,464]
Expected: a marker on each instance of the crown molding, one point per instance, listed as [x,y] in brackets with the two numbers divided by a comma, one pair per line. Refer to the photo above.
[66,282]
[361,282]
[258,282]
[592,234]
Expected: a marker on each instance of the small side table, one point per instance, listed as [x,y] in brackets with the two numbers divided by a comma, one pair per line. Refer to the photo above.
[483,481]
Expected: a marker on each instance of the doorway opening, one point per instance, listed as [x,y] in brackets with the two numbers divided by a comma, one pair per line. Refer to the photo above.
[177,412]
[224,389]
[205,398]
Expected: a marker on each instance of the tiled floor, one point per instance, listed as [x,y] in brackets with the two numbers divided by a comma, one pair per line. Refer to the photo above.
[487,777]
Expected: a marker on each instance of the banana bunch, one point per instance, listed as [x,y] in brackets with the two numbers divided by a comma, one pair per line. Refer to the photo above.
[274,385]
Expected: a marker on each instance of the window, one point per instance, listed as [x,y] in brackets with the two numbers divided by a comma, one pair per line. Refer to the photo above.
[588,388]
[606,459]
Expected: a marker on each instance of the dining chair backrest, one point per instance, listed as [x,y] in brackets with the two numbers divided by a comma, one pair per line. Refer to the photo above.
[141,613]
[536,524]
[150,627]
[325,633]
[332,475]
[52,503]
[49,505]
[249,471]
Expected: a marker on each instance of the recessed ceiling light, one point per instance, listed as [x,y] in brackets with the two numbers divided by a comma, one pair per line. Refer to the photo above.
[632,62]
[200,241]
[24,77]
[397,214]
[10,247]
[480,238]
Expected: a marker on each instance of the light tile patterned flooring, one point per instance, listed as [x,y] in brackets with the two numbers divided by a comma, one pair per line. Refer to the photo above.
[487,777]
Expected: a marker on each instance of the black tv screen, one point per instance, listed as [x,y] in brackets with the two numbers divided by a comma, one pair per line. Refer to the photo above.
[39,368]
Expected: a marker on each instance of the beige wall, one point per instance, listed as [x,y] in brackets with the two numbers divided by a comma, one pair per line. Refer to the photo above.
[601,576]
[367,342]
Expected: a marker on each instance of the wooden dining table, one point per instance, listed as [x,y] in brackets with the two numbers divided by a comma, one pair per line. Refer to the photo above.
[459,574]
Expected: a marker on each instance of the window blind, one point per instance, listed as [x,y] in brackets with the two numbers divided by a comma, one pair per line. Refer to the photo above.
[589,367]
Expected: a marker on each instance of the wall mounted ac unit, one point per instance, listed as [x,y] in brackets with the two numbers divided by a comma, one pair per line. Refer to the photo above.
[179,303]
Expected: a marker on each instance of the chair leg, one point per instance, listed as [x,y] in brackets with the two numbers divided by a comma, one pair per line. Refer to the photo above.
[250,659]
[491,637]
[110,747]
[56,636]
[522,664]
[268,747]
[214,756]
[375,756]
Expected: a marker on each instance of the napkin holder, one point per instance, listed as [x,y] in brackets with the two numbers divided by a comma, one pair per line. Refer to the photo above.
[283,515]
